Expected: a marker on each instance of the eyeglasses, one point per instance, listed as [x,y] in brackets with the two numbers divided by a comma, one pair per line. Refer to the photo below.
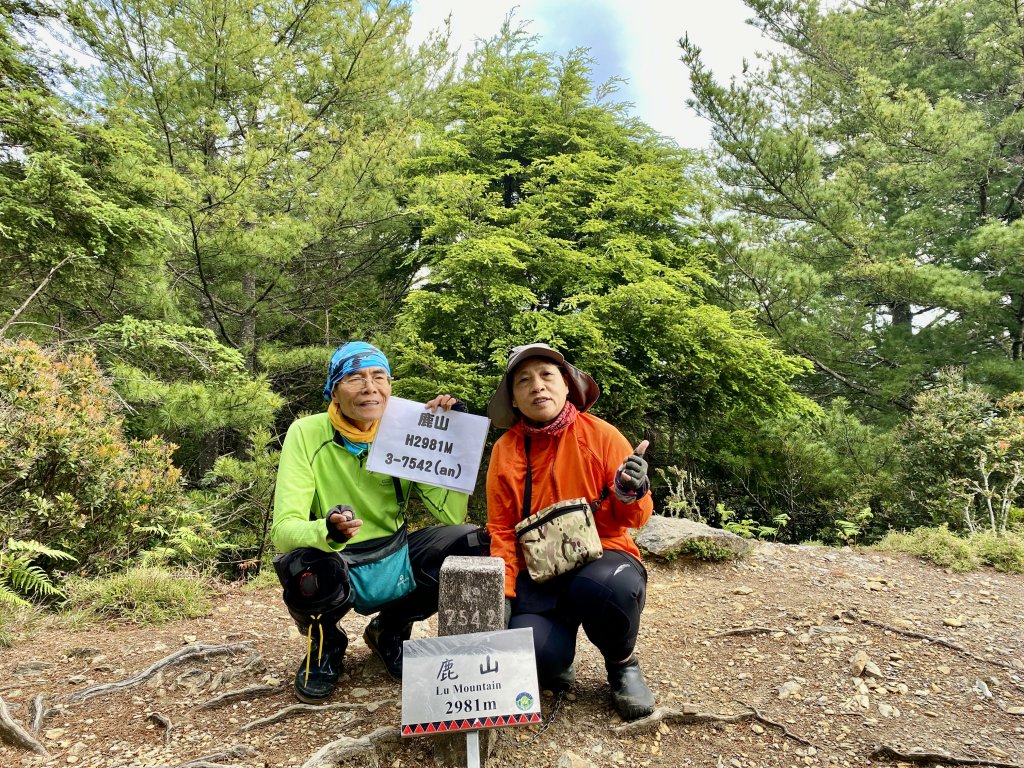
[355,381]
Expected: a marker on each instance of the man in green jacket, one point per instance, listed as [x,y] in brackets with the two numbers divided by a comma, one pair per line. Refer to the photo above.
[332,515]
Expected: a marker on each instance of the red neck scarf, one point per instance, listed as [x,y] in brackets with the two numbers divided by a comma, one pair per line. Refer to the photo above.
[565,419]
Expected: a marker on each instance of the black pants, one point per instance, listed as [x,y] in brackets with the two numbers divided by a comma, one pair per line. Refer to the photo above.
[605,597]
[428,548]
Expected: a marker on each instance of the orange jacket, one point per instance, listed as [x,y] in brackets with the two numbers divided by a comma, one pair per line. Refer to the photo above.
[579,462]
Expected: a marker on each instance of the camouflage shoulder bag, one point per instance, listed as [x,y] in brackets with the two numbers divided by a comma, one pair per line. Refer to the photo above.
[559,538]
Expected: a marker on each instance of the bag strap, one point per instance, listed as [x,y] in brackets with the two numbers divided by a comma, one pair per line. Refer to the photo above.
[529,479]
[399,497]
[594,505]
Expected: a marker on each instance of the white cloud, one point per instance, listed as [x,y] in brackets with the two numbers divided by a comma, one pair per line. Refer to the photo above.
[637,40]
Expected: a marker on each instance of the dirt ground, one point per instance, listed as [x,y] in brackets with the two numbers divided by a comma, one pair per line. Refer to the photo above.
[805,621]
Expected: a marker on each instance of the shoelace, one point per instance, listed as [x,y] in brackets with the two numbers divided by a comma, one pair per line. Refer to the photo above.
[309,643]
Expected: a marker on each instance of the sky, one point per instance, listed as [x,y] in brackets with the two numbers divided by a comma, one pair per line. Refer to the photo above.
[636,40]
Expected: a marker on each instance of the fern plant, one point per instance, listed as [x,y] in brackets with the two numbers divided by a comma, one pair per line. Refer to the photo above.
[21,578]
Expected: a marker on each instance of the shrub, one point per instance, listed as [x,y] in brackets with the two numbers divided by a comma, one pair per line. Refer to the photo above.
[6,636]
[265,579]
[141,596]
[748,528]
[703,549]
[68,475]
[963,457]
[937,545]
[1004,553]
[943,547]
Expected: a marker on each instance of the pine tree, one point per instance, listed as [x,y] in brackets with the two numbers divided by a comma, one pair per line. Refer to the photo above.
[283,123]
[871,168]
[80,238]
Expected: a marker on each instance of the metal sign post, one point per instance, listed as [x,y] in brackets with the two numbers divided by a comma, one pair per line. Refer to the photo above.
[473,749]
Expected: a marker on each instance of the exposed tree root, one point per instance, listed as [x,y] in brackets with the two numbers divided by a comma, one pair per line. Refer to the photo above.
[193,651]
[13,734]
[885,752]
[935,640]
[690,713]
[214,760]
[164,723]
[252,692]
[746,631]
[294,709]
[38,713]
[785,731]
[347,747]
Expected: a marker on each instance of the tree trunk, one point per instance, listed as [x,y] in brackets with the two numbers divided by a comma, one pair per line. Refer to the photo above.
[1018,332]
[902,316]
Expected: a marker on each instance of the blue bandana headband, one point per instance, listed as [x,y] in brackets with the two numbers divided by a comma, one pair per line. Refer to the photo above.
[350,357]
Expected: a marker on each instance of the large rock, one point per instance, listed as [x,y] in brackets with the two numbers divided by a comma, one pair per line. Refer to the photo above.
[671,537]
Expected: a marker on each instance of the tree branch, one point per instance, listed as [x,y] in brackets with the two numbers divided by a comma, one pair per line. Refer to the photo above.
[24,305]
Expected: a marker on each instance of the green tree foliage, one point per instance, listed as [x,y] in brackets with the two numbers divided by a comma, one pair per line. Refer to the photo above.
[544,213]
[823,469]
[68,475]
[284,124]
[873,169]
[81,238]
[183,384]
[240,496]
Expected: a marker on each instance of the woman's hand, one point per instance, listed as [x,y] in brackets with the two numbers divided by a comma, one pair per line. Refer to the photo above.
[631,477]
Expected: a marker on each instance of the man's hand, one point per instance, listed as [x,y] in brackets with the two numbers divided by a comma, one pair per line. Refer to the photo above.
[445,403]
[342,523]
[632,475]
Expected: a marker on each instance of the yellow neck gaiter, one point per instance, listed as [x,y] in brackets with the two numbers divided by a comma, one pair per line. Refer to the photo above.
[348,429]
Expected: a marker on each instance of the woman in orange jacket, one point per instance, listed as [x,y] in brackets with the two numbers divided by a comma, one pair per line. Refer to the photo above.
[554,451]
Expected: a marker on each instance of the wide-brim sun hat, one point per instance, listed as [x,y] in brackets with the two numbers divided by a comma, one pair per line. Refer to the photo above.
[583,390]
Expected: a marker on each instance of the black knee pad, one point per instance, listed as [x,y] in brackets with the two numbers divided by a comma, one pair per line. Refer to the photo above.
[314,582]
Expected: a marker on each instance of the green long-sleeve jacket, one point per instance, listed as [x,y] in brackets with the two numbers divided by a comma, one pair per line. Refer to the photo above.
[317,472]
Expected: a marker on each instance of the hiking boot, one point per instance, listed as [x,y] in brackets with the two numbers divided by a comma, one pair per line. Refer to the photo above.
[630,695]
[320,669]
[562,681]
[387,645]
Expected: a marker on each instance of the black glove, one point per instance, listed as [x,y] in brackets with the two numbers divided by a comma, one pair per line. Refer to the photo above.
[508,611]
[633,474]
[345,511]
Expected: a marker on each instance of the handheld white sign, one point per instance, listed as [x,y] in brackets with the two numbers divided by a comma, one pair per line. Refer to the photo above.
[469,682]
[438,448]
